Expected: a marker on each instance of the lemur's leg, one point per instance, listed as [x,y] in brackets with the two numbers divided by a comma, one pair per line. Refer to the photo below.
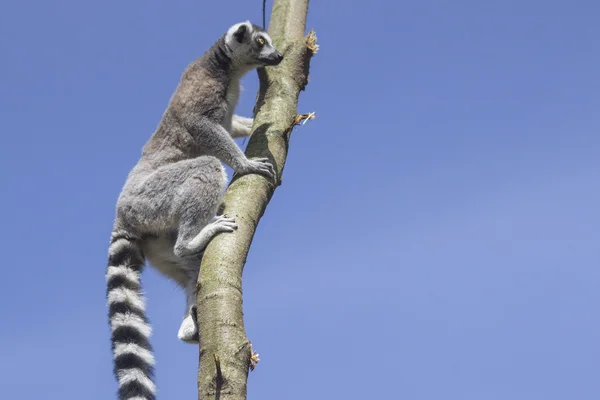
[184,271]
[197,186]
[200,196]
[188,331]
[187,193]
[181,197]
[241,126]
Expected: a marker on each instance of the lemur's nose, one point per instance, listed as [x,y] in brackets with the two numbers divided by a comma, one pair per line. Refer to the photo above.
[277,57]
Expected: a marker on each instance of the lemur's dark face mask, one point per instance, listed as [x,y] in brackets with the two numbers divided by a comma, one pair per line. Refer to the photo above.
[267,54]
[273,58]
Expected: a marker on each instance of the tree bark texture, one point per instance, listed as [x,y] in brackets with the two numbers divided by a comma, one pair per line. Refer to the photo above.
[225,352]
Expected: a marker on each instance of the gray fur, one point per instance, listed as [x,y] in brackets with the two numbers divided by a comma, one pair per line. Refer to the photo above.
[165,209]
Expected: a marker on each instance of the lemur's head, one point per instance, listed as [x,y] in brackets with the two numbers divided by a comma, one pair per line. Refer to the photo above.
[251,46]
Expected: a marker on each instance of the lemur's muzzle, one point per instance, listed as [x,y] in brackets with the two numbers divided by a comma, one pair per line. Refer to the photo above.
[273,59]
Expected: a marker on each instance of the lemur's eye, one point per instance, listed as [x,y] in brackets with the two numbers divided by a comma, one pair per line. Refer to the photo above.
[260,41]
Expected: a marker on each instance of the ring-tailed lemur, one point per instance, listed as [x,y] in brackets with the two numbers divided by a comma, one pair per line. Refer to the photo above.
[164,209]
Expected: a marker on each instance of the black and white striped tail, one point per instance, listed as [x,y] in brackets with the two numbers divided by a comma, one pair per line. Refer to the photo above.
[132,353]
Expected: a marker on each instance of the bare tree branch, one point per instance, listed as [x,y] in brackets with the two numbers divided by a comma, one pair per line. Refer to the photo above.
[225,352]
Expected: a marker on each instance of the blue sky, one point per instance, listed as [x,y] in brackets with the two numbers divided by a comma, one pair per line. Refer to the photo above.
[436,233]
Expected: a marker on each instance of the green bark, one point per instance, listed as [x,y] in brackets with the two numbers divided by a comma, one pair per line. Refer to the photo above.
[225,352]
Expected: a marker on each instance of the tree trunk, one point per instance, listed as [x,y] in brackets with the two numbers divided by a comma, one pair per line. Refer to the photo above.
[225,352]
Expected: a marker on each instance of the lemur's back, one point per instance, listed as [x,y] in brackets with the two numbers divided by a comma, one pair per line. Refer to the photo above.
[202,92]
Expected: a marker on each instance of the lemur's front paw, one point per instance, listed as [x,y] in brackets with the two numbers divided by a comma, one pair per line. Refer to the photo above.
[223,224]
[260,166]
[247,122]
[188,331]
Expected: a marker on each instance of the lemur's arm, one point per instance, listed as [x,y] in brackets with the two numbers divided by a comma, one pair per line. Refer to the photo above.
[217,142]
[241,126]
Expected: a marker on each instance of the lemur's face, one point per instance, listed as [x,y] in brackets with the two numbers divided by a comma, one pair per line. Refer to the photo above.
[251,46]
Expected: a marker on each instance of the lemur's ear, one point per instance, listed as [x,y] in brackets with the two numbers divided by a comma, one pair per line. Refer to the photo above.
[240,32]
